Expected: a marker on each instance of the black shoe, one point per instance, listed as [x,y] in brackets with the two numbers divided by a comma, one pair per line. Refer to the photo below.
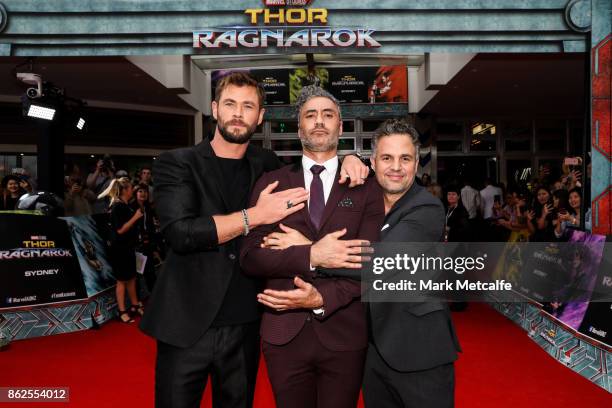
[124,317]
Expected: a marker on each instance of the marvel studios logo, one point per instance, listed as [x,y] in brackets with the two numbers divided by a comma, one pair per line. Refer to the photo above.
[276,3]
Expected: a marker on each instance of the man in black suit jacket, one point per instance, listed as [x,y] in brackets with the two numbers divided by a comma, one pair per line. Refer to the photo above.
[412,345]
[203,311]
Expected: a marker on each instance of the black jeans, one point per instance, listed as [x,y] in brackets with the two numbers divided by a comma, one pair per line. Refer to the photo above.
[229,354]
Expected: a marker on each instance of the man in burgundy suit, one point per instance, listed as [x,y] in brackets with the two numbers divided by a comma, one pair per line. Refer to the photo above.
[314,329]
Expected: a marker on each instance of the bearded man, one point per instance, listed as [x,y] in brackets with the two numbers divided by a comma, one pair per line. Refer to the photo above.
[203,312]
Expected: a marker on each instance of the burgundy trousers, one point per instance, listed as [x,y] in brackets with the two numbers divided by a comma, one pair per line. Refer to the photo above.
[306,374]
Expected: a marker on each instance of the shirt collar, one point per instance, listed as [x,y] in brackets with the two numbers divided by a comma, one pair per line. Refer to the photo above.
[330,165]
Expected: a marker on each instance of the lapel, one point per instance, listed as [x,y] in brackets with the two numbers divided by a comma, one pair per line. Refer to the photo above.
[212,165]
[394,213]
[296,179]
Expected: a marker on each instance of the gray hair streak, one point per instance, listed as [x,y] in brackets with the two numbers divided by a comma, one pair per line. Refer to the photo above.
[397,127]
[312,91]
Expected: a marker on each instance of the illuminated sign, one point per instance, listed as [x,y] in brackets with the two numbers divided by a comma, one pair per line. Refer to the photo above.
[289,16]
[303,27]
[3,17]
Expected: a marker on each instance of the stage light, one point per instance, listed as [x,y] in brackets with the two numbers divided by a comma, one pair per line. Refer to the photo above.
[37,109]
[41,112]
[80,124]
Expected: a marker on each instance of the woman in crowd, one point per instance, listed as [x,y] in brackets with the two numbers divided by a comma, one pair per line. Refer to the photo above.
[560,200]
[456,226]
[543,210]
[571,217]
[456,229]
[514,217]
[11,192]
[147,233]
[426,180]
[124,239]
[560,207]
[498,229]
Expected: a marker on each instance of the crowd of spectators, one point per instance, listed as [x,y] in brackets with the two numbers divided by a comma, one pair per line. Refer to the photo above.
[543,209]
[87,194]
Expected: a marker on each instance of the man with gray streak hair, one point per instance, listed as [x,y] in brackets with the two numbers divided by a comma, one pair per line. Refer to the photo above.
[314,330]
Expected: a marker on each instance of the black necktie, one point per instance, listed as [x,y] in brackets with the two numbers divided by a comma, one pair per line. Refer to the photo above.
[317,200]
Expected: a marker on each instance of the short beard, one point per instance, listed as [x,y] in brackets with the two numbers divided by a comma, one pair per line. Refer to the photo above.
[234,138]
[309,145]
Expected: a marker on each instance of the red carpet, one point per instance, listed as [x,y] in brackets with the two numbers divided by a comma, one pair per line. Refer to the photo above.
[113,367]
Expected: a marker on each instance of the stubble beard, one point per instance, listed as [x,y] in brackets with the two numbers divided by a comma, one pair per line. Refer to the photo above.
[310,145]
[233,137]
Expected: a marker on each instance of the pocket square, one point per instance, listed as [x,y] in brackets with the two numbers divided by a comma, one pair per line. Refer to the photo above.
[346,203]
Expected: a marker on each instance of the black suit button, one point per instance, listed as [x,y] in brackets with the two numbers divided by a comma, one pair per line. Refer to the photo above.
[232,257]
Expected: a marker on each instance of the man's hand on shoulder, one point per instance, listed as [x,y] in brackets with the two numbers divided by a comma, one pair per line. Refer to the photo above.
[353,169]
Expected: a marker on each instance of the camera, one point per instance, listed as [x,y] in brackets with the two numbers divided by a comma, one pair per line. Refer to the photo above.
[31,79]
[33,93]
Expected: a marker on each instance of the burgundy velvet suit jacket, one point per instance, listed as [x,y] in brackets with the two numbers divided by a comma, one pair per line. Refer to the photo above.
[361,211]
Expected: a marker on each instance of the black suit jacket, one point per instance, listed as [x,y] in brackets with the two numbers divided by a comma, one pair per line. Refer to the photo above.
[197,271]
[414,336]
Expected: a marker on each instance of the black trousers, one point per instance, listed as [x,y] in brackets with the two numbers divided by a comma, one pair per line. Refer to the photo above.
[229,354]
[384,387]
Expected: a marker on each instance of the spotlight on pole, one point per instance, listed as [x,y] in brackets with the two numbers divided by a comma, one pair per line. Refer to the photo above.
[37,109]
[77,116]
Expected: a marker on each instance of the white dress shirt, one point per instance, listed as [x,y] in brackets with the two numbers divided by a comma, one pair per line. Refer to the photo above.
[327,176]
[470,197]
[487,196]
[327,179]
